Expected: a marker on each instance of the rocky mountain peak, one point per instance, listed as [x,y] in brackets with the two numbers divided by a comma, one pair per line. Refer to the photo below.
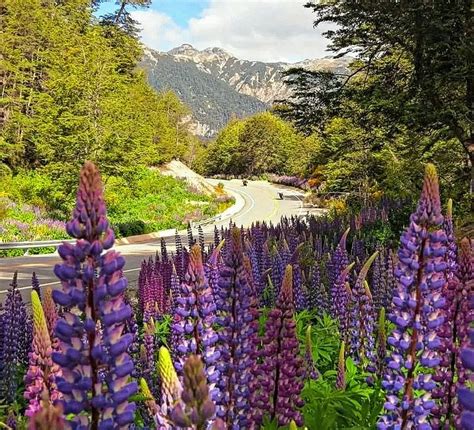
[218,86]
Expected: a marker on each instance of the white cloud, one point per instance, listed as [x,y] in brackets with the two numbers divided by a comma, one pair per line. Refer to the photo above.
[265,30]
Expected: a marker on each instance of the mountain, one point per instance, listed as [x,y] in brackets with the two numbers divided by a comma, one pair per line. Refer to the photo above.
[218,86]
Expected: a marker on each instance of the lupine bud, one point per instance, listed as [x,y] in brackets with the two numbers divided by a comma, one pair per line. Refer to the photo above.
[341,369]
[42,373]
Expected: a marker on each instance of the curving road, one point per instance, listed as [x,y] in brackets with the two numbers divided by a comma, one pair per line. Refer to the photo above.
[258,201]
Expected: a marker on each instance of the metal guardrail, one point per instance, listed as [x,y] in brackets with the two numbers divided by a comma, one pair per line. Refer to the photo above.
[34,244]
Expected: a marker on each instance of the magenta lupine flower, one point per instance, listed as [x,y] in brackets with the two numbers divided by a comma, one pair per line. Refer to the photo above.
[362,315]
[93,290]
[339,259]
[466,394]
[42,373]
[280,375]
[417,313]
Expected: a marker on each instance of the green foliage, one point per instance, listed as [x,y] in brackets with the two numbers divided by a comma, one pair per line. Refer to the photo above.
[72,92]
[324,335]
[357,407]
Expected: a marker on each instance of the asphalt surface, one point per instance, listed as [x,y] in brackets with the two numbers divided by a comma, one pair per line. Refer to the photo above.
[262,203]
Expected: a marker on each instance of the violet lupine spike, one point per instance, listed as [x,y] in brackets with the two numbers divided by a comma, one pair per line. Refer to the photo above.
[281,373]
[93,290]
[465,360]
[340,301]
[237,318]
[339,259]
[317,295]
[35,285]
[50,311]
[362,315]
[192,329]
[196,407]
[465,315]
[42,373]
[465,393]
[381,343]
[341,369]
[16,340]
[416,313]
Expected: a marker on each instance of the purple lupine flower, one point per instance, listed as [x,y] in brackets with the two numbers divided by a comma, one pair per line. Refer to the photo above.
[339,259]
[340,301]
[93,290]
[465,360]
[466,394]
[317,294]
[280,375]
[362,315]
[16,341]
[381,343]
[42,373]
[445,411]
[237,319]
[377,283]
[416,313]
[194,317]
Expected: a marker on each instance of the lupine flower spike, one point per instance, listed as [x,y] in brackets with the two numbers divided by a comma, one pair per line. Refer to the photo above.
[416,312]
[42,373]
[281,373]
[95,363]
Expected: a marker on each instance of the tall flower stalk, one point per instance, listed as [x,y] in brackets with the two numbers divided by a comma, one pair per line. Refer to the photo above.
[416,313]
[42,373]
[280,375]
[93,355]
[237,319]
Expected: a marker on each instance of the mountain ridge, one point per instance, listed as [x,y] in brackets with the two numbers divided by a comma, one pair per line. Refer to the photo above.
[218,86]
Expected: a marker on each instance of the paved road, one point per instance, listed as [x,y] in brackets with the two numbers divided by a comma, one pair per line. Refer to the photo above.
[261,204]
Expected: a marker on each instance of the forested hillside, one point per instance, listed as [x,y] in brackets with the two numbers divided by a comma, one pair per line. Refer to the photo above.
[72,91]
[214,102]
[402,103]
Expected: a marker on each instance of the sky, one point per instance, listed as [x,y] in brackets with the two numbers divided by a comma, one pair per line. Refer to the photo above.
[258,30]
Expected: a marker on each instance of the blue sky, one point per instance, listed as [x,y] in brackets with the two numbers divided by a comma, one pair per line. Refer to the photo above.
[179,10]
[265,30]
